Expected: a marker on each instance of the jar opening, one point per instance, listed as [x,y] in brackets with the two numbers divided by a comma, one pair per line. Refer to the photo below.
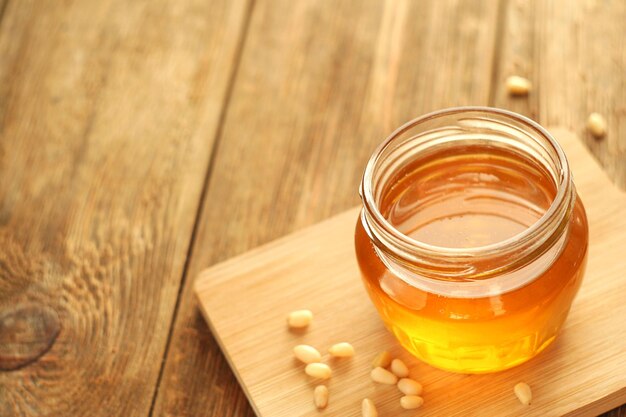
[460,150]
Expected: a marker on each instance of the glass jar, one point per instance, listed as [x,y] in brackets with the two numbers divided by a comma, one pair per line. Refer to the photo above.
[472,241]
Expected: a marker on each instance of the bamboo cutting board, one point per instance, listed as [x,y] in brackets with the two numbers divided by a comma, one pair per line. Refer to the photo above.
[246,299]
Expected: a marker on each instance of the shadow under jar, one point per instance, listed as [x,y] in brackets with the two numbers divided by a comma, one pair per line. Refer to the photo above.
[472,241]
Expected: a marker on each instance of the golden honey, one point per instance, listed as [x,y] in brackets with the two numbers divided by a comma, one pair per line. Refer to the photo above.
[472,241]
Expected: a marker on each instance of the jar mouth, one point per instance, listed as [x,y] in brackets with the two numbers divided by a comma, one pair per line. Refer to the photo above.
[473,122]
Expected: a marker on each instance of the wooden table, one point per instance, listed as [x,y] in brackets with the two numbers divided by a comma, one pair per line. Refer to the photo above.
[141,141]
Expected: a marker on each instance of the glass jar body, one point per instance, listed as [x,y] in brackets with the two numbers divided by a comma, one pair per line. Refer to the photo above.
[472,241]
[478,335]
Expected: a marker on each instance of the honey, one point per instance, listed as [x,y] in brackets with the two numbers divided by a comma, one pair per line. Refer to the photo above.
[466,197]
[472,242]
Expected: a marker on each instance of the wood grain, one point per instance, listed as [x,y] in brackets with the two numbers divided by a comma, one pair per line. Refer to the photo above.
[108,110]
[306,111]
[26,333]
[575,55]
[246,300]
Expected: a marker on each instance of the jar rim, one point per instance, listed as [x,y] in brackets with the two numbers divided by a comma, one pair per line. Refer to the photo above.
[390,237]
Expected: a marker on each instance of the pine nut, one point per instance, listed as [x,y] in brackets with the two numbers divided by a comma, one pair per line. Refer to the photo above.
[368,409]
[522,390]
[596,125]
[307,354]
[383,376]
[411,402]
[408,386]
[299,318]
[518,86]
[320,396]
[318,370]
[341,350]
[382,360]
[399,368]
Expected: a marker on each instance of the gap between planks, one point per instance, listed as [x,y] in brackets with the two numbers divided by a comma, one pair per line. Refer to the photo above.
[497,49]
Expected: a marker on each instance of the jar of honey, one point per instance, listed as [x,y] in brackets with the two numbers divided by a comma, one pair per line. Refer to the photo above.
[472,241]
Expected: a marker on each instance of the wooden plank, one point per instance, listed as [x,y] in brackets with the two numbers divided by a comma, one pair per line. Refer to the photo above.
[320,84]
[108,110]
[574,53]
[246,300]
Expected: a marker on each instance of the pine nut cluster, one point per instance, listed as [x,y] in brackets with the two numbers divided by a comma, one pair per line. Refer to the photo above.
[397,374]
[315,368]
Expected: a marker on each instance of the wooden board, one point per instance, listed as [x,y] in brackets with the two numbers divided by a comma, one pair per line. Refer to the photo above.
[245,300]
[108,110]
